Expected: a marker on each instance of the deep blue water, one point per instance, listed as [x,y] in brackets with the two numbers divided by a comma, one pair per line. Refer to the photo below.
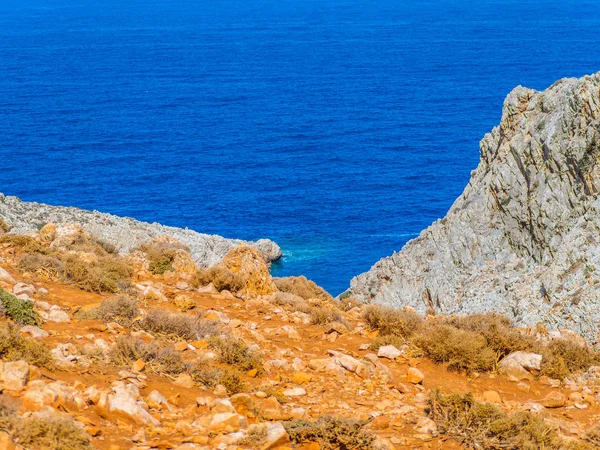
[338,128]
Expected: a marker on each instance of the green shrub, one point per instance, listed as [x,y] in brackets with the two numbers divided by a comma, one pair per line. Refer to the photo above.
[331,433]
[160,267]
[21,311]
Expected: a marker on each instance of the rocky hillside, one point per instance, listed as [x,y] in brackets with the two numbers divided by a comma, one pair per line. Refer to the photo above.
[145,351]
[523,239]
[123,232]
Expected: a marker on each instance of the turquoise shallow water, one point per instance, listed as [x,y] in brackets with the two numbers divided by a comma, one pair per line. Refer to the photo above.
[340,129]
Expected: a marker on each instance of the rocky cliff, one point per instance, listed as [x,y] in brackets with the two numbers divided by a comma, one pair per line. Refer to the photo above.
[524,237]
[123,232]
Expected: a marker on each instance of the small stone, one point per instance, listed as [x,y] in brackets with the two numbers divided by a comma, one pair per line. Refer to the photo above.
[300,377]
[138,366]
[6,277]
[389,352]
[276,436]
[295,392]
[184,380]
[414,376]
[553,400]
[491,397]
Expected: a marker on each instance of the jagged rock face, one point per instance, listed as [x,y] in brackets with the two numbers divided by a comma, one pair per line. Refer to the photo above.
[123,232]
[524,237]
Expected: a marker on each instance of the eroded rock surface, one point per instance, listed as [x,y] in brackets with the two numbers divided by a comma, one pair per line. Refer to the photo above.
[523,239]
[123,232]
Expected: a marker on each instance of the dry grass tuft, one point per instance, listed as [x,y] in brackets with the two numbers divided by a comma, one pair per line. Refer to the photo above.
[160,358]
[222,279]
[177,325]
[14,347]
[51,431]
[211,376]
[302,287]
[25,244]
[236,353]
[100,275]
[485,426]
[120,309]
[21,311]
[331,433]
[48,267]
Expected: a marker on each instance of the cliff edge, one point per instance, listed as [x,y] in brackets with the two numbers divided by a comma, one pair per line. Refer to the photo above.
[123,232]
[524,237]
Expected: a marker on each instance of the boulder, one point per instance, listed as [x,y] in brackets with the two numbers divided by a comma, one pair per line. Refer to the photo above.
[14,375]
[389,352]
[554,399]
[276,436]
[414,376]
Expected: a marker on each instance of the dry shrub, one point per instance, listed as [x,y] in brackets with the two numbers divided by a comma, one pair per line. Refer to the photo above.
[320,315]
[302,287]
[211,376]
[485,426]
[222,279]
[161,255]
[460,349]
[25,244]
[387,339]
[51,431]
[4,228]
[236,353]
[390,321]
[14,347]
[562,357]
[100,275]
[498,332]
[159,357]
[8,412]
[255,437]
[331,433]
[120,309]
[177,325]
[288,301]
[48,267]
[21,311]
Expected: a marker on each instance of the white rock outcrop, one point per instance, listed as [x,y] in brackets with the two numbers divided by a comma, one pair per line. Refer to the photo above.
[524,237]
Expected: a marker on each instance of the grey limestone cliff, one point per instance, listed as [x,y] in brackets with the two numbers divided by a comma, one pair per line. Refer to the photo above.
[123,232]
[524,237]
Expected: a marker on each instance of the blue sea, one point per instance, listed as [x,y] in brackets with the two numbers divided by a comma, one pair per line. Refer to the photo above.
[338,128]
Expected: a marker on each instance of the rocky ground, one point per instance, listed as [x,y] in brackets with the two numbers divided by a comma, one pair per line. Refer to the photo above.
[295,360]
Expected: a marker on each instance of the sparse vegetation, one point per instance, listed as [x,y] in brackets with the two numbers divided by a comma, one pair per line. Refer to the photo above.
[160,358]
[177,325]
[161,255]
[120,309]
[14,347]
[561,358]
[21,311]
[52,431]
[222,279]
[212,376]
[100,275]
[302,287]
[48,267]
[236,353]
[331,433]
[477,425]
[390,321]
